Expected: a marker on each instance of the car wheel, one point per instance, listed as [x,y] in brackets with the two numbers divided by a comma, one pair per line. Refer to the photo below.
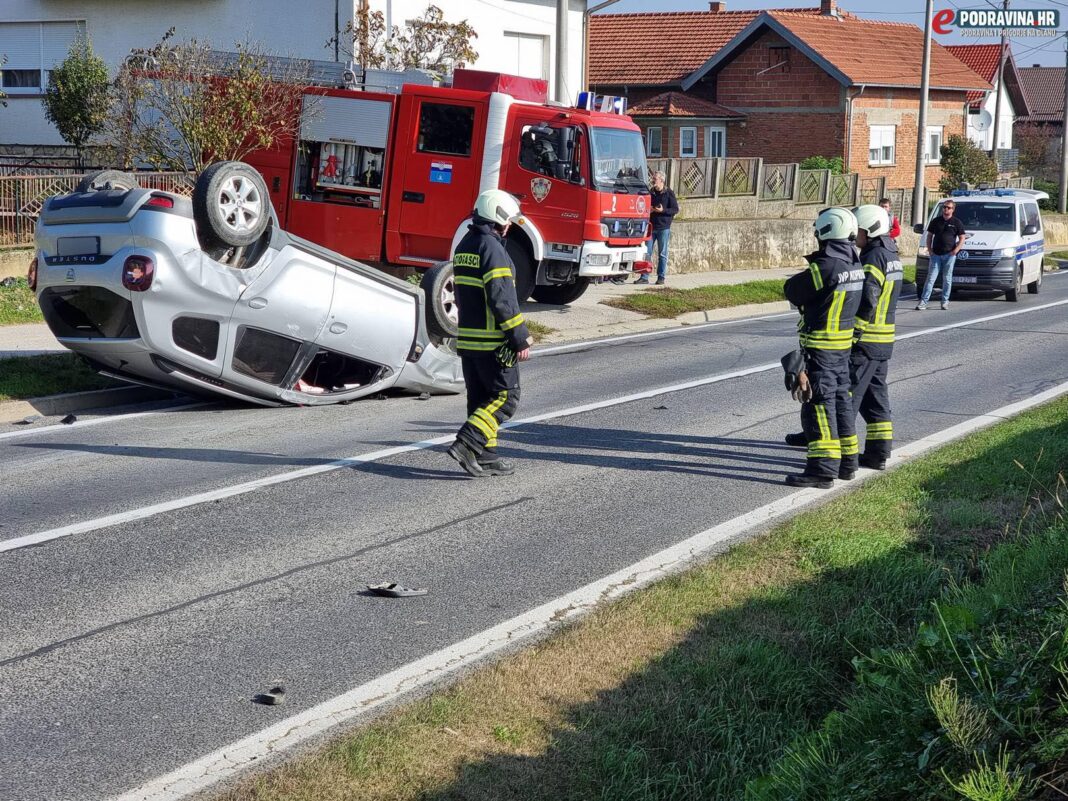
[524,268]
[561,294]
[230,206]
[442,313]
[107,179]
[1013,295]
[1034,286]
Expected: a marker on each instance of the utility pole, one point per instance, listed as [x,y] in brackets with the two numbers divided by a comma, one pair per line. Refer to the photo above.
[997,100]
[919,213]
[1063,200]
[561,50]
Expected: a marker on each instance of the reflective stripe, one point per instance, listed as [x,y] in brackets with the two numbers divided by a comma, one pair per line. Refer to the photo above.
[821,421]
[834,316]
[497,272]
[468,280]
[850,445]
[466,260]
[482,333]
[469,344]
[881,431]
[871,269]
[508,325]
[817,279]
[824,447]
[481,426]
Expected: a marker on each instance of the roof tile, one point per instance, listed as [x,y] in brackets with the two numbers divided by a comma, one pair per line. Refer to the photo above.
[680,104]
[1044,87]
[983,59]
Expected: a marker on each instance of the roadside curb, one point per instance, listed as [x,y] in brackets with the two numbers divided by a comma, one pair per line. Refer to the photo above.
[51,405]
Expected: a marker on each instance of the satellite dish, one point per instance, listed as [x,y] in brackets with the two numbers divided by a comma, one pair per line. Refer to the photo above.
[983,121]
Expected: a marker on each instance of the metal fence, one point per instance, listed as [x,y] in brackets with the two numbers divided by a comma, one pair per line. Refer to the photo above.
[23,196]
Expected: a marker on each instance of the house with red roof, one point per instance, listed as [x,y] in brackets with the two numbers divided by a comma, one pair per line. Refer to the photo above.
[1044,87]
[983,59]
[801,82]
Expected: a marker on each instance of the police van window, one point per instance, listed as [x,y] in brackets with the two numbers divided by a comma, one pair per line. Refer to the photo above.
[1030,216]
[986,216]
[446,129]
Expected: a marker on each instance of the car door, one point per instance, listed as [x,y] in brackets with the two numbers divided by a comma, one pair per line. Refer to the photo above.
[1032,242]
[285,307]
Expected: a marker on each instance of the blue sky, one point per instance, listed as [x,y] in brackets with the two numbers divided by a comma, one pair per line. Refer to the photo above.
[1026,51]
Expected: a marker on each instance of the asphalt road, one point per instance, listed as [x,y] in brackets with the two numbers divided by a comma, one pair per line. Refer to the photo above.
[131,648]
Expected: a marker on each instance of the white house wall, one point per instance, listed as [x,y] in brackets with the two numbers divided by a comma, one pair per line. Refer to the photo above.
[282,27]
[984,139]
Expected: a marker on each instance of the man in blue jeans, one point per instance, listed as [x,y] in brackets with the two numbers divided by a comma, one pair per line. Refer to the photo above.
[664,208]
[945,238]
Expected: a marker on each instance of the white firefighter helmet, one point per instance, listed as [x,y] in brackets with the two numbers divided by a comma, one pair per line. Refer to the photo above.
[835,223]
[873,219]
[497,206]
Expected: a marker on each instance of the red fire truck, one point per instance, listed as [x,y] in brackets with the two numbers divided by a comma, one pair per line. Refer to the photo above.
[391,177]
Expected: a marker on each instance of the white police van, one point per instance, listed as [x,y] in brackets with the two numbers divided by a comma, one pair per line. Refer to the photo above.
[1005,244]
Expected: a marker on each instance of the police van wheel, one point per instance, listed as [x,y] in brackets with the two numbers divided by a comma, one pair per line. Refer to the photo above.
[561,294]
[1034,286]
[524,268]
[442,314]
[1013,295]
[107,179]
[230,206]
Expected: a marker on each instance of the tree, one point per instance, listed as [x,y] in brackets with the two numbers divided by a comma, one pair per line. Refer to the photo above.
[427,42]
[3,97]
[835,164]
[183,105]
[76,99]
[962,160]
[1033,142]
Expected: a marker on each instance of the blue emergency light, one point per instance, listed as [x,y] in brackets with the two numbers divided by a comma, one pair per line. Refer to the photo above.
[608,104]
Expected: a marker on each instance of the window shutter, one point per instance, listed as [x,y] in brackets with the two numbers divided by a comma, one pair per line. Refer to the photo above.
[21,43]
[56,39]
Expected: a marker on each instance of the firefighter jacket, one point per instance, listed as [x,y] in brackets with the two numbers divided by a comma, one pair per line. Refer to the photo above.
[874,334]
[485,293]
[828,295]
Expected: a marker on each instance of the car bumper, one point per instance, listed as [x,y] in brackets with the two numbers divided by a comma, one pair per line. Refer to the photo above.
[989,275]
[620,260]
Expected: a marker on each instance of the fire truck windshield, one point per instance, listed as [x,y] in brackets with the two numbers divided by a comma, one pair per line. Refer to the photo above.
[619,161]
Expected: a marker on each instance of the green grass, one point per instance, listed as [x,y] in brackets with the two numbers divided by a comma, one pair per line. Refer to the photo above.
[895,643]
[910,273]
[18,305]
[539,331]
[673,302]
[36,376]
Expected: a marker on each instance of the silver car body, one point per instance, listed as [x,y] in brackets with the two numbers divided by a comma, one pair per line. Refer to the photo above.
[253,333]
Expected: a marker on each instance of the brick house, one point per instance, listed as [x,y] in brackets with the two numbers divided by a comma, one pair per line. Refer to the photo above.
[1044,87]
[808,81]
[678,125]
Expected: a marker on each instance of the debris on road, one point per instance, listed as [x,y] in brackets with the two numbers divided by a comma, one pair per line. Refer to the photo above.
[391,590]
[659,408]
[8,282]
[70,418]
[424,396]
[272,697]
[25,421]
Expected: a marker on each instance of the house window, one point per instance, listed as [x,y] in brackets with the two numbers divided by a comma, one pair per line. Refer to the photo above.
[881,144]
[447,129]
[526,54]
[32,49]
[654,142]
[716,142]
[933,146]
[778,58]
[687,143]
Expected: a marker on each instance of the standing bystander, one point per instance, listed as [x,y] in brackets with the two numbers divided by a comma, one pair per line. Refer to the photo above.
[664,208]
[945,238]
[895,224]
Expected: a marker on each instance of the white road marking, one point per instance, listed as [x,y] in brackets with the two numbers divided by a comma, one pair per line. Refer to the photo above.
[118,418]
[152,510]
[227,762]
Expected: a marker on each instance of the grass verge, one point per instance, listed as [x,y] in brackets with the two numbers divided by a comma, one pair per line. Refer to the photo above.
[18,305]
[539,331]
[890,644]
[36,376]
[673,302]
[910,273]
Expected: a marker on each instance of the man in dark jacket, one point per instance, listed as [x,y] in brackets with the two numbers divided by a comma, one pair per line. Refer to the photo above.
[828,296]
[663,208]
[492,337]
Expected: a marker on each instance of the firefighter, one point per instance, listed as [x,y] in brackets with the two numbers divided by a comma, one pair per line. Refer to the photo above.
[873,338]
[492,337]
[828,296]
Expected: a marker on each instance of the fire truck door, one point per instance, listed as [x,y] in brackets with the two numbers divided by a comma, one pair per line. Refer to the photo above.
[547,178]
[441,177]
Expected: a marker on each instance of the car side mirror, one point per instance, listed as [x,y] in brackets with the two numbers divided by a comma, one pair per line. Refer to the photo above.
[1030,229]
[918,228]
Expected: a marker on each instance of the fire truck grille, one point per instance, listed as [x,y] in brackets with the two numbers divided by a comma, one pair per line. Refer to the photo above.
[625,227]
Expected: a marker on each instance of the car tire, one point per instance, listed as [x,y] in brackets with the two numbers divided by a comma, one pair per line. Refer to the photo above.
[1034,286]
[561,294]
[439,287]
[231,206]
[1013,295]
[525,269]
[107,179]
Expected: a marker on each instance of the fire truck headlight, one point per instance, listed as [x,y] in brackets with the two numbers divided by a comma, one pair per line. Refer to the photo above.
[604,231]
[599,259]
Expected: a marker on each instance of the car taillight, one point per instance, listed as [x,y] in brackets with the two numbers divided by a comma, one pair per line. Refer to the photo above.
[31,275]
[161,202]
[137,273]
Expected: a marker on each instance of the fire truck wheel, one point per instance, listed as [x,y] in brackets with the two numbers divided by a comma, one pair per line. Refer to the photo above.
[561,294]
[107,179]
[230,206]
[524,268]
[442,316]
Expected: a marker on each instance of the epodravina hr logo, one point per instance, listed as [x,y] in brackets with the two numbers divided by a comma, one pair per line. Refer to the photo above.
[987,22]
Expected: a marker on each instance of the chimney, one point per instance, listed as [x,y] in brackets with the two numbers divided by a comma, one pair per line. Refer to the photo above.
[717,6]
[829,8]
[1037,65]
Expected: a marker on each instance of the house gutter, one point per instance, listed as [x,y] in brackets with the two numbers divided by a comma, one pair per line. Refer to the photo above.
[849,131]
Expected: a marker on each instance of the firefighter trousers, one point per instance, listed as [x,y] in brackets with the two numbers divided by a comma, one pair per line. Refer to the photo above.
[871,400]
[828,419]
[492,398]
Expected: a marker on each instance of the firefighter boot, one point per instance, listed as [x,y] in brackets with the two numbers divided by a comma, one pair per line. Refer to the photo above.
[797,440]
[467,458]
[872,462]
[493,465]
[809,480]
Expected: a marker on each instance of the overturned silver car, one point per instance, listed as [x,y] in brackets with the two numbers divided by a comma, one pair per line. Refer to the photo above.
[209,296]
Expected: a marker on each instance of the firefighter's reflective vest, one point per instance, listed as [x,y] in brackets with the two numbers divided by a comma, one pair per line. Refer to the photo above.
[828,295]
[875,329]
[485,293]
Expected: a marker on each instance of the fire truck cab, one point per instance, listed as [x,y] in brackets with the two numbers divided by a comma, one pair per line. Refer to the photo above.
[392,177]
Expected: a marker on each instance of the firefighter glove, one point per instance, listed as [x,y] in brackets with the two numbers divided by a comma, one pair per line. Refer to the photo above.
[803,391]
